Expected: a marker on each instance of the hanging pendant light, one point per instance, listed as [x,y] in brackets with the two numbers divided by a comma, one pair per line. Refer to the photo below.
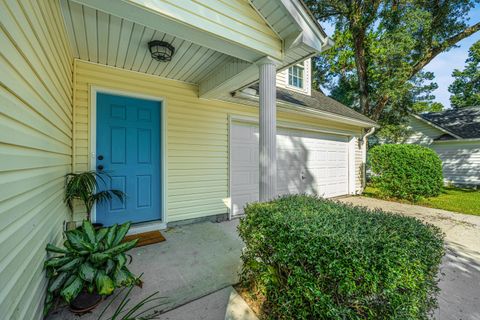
[161,51]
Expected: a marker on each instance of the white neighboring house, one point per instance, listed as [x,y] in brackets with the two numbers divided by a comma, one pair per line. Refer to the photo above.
[455,136]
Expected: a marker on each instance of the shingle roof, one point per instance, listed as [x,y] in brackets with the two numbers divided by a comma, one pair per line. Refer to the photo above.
[464,122]
[318,101]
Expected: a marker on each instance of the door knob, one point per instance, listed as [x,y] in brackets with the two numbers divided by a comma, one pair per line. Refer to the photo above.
[100,167]
[100,157]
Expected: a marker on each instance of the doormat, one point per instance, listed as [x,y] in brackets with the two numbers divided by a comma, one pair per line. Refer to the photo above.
[146,238]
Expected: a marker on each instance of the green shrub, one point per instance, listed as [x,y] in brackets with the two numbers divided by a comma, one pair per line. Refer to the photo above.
[310,258]
[406,171]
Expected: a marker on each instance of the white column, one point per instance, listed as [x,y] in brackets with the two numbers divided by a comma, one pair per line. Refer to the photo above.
[267,130]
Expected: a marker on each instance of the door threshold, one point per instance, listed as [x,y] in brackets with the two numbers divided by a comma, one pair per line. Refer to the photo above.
[146,227]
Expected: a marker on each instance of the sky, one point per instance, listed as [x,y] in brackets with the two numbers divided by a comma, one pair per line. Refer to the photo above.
[444,64]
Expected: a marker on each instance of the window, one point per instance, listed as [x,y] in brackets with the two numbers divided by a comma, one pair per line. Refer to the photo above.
[295,76]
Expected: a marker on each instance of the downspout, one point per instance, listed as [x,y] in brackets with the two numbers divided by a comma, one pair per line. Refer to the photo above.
[364,141]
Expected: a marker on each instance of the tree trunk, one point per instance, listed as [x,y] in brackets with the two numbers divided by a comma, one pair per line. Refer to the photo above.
[361,64]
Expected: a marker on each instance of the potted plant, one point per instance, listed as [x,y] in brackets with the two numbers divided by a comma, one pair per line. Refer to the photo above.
[90,266]
[87,187]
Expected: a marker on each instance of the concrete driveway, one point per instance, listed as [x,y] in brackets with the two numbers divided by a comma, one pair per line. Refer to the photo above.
[460,271]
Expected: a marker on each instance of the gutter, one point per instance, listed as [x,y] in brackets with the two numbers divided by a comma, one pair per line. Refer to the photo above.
[459,140]
[291,107]
[364,140]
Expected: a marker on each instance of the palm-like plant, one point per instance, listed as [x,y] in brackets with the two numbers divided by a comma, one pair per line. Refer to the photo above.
[87,187]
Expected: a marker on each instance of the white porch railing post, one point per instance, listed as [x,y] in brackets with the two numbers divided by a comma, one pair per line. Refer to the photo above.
[267,130]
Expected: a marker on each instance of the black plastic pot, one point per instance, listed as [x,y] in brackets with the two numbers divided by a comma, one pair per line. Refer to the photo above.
[85,302]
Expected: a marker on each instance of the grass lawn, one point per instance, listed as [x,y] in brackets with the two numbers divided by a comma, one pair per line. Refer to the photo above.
[451,199]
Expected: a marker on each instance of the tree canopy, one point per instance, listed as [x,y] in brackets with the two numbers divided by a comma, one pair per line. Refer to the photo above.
[465,88]
[381,48]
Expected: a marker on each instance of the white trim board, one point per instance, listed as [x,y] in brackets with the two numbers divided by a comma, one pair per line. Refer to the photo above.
[94,90]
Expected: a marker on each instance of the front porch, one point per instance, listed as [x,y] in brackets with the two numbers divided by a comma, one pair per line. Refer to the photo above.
[196,260]
[57,55]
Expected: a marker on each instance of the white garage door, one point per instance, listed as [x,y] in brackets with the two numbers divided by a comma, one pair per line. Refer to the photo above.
[313,163]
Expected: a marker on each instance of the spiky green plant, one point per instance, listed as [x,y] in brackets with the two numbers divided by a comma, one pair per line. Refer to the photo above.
[84,186]
[89,260]
[147,308]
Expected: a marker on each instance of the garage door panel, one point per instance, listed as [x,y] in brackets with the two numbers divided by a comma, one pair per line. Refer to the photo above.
[307,162]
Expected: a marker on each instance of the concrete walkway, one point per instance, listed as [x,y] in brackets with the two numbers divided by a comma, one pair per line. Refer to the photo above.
[224,304]
[195,261]
[460,271]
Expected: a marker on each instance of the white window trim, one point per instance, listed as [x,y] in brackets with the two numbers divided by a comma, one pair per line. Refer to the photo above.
[302,78]
[307,79]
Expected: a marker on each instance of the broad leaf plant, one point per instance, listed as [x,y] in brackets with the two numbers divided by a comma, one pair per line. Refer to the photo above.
[91,260]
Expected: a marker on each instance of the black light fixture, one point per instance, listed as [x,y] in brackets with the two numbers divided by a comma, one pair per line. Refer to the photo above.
[160,50]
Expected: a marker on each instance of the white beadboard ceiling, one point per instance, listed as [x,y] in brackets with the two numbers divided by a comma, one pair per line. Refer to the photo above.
[106,39]
[276,16]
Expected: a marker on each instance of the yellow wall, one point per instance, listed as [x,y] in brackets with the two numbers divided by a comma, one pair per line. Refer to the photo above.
[35,148]
[197,135]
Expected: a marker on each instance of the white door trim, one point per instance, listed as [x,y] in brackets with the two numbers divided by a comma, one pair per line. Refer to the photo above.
[232,118]
[94,90]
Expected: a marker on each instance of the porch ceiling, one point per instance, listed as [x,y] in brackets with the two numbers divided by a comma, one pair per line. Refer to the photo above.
[103,38]
[219,60]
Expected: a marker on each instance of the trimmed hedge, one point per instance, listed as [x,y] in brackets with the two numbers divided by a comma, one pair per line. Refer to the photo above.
[310,258]
[406,171]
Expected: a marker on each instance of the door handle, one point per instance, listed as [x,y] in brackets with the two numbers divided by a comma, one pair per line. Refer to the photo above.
[100,167]
[100,157]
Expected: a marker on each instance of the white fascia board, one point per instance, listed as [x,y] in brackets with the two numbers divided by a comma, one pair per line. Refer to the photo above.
[227,78]
[435,126]
[311,34]
[460,140]
[180,25]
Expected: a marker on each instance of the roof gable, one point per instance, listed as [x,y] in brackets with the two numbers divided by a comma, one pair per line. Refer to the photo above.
[464,123]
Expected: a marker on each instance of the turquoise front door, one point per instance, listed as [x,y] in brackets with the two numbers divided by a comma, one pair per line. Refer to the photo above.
[128,149]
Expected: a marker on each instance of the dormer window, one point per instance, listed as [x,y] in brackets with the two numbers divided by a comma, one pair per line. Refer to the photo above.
[295,76]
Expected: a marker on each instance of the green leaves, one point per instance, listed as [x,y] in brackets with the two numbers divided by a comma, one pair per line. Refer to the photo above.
[89,231]
[58,282]
[99,257]
[406,171]
[465,88]
[89,261]
[71,265]
[105,285]
[122,247]
[76,240]
[84,186]
[311,258]
[112,232]
[380,49]
[121,233]
[87,272]
[70,292]
[57,262]
[51,248]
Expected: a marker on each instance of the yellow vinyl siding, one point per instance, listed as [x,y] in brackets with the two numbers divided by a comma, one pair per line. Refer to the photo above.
[35,148]
[197,135]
